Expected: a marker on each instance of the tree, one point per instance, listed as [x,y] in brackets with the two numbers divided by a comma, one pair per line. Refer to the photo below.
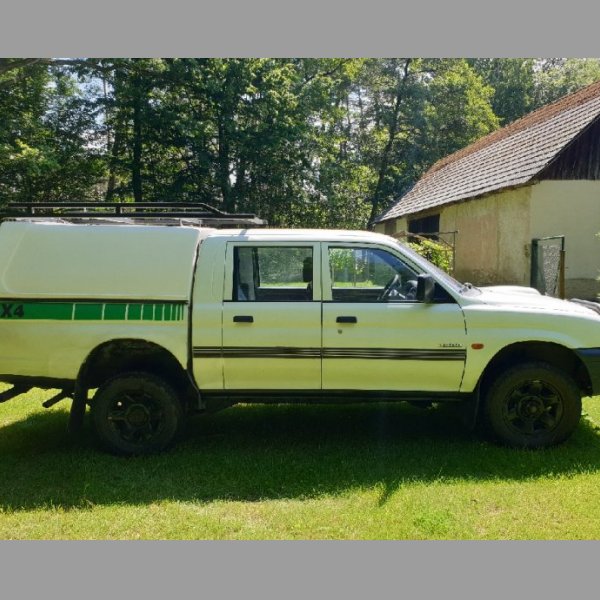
[47,146]
[555,78]
[457,111]
[523,84]
[302,142]
[513,85]
[416,112]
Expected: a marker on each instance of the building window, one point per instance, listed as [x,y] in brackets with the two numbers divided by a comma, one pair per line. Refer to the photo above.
[426,226]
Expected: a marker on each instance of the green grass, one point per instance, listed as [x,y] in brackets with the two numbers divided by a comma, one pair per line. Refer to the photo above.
[318,472]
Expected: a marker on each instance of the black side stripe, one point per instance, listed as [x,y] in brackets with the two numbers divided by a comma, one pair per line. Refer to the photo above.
[256,352]
[395,354]
[444,354]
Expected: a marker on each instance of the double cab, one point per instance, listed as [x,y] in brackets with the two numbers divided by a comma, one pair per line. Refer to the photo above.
[164,321]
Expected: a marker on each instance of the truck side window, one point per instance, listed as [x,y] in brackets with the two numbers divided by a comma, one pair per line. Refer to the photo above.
[370,275]
[272,274]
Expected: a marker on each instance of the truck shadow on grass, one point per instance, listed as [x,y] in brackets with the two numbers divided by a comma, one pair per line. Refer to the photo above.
[251,453]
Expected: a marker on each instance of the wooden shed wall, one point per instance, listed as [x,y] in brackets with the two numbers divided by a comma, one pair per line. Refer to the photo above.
[578,160]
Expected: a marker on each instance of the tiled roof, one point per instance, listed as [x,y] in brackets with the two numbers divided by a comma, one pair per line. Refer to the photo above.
[508,157]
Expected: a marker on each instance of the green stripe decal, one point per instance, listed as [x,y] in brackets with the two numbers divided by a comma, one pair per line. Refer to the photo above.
[135,312]
[86,312]
[57,311]
[115,312]
[90,311]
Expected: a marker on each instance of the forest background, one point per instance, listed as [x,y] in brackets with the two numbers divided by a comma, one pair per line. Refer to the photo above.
[300,142]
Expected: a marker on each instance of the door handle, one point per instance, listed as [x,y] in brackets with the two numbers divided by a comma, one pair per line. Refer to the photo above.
[346,320]
[243,319]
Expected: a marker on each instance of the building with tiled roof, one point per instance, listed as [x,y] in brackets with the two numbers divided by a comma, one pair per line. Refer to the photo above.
[537,177]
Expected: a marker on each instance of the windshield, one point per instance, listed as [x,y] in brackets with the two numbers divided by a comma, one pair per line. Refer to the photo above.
[441,275]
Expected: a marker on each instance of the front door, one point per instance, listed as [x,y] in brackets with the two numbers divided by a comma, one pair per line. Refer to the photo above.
[376,335]
[272,317]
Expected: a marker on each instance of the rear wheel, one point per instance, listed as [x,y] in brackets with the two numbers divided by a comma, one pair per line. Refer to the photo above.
[533,405]
[136,413]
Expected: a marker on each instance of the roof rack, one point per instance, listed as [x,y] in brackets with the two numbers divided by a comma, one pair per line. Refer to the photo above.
[167,213]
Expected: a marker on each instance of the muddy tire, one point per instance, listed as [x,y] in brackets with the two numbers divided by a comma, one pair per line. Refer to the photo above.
[136,414]
[533,405]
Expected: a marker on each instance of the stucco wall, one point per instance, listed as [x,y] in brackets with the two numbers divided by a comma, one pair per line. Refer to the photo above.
[392,227]
[492,244]
[572,209]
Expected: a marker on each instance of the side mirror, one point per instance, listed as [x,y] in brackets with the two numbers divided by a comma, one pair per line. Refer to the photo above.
[425,288]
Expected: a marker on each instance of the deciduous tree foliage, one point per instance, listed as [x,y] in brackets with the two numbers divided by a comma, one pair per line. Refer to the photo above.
[302,142]
[48,145]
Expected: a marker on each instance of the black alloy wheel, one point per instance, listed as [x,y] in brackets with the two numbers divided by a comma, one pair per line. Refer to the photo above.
[533,405]
[136,413]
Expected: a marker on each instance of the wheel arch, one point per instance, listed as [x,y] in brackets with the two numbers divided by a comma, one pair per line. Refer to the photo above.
[551,353]
[123,355]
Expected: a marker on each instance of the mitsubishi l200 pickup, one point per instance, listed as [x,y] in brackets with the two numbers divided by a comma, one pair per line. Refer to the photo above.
[165,321]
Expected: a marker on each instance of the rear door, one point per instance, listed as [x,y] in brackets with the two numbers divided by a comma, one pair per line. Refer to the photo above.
[272,317]
[384,339]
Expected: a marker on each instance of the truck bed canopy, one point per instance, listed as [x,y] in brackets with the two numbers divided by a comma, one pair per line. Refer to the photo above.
[60,260]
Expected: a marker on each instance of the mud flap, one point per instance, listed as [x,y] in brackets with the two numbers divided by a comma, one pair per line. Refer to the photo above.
[469,410]
[77,414]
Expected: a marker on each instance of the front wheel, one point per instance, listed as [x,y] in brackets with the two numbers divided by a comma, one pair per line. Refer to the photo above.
[136,413]
[533,405]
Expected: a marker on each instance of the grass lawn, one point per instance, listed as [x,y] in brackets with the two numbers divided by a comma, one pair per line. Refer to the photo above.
[385,471]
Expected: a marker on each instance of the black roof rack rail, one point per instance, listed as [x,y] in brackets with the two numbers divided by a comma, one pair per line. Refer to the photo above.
[194,213]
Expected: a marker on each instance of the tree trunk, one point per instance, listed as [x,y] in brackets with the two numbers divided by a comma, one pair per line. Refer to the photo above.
[136,163]
[377,197]
[113,142]
[223,166]
[112,166]
[239,189]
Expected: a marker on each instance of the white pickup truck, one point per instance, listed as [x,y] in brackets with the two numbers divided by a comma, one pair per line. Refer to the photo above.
[163,321]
